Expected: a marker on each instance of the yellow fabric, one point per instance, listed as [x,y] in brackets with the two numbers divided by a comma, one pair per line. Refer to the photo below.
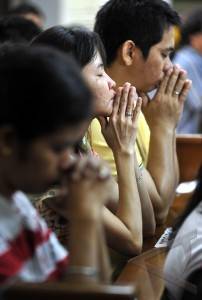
[100,146]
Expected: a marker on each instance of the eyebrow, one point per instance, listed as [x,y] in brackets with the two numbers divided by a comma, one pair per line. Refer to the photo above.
[169,49]
[101,65]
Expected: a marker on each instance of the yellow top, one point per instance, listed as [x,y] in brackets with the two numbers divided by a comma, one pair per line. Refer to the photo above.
[100,146]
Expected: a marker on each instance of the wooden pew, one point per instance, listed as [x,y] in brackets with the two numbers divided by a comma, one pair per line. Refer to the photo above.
[65,291]
[189,152]
[145,271]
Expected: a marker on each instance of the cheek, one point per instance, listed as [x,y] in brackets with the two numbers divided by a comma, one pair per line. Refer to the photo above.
[156,70]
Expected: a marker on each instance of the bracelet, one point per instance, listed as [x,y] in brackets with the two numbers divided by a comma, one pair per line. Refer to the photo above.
[82,270]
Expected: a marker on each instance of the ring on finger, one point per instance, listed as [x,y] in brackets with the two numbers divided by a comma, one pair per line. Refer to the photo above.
[176,93]
[128,114]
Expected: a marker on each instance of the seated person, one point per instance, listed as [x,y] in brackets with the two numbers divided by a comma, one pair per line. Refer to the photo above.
[141,57]
[189,57]
[124,226]
[183,267]
[29,12]
[16,29]
[36,151]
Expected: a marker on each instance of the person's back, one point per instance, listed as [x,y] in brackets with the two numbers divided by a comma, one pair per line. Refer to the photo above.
[184,259]
[189,56]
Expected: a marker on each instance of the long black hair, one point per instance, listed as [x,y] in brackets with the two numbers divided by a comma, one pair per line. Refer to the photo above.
[41,91]
[82,43]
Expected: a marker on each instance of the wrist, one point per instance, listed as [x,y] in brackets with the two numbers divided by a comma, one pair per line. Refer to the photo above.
[88,213]
[162,127]
[124,154]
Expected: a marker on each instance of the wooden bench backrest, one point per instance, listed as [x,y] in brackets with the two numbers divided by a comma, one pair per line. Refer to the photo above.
[189,151]
[65,291]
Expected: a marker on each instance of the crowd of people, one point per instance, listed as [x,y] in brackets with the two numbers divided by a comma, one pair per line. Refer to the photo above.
[88,159]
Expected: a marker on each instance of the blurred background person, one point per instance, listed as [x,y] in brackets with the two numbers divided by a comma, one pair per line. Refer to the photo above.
[16,29]
[29,12]
[189,57]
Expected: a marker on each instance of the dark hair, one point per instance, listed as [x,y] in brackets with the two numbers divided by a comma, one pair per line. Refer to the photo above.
[192,25]
[26,8]
[17,29]
[78,41]
[41,91]
[194,201]
[142,21]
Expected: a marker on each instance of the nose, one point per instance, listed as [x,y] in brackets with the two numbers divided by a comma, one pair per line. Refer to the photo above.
[111,82]
[67,159]
[168,64]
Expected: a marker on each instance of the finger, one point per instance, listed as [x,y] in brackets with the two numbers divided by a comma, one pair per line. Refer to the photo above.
[103,122]
[180,83]
[104,172]
[172,81]
[164,82]
[132,99]
[137,109]
[76,172]
[186,87]
[116,102]
[124,100]
[145,99]
[85,165]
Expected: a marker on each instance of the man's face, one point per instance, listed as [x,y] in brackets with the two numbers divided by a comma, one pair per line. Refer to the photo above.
[149,73]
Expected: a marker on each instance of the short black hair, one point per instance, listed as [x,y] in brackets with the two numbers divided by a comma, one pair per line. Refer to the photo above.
[143,21]
[78,41]
[41,91]
[191,25]
[26,8]
[17,29]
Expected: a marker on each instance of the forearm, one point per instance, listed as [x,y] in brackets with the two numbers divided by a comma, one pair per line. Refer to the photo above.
[162,168]
[83,249]
[149,223]
[103,257]
[177,172]
[129,206]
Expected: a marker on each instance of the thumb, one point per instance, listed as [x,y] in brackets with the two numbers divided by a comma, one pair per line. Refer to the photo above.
[145,99]
[103,122]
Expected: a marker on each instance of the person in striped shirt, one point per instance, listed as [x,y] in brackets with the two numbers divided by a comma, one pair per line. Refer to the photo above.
[39,126]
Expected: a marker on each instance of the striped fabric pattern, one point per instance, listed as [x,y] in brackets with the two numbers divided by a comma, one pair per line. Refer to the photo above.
[29,251]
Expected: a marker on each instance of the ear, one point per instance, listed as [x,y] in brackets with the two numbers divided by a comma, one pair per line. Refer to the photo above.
[7,140]
[128,51]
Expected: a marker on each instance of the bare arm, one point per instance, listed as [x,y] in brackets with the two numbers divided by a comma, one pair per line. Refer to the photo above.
[120,134]
[162,115]
[149,222]
[88,189]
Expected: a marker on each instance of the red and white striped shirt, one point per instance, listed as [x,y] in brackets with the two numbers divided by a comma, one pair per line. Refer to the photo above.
[29,251]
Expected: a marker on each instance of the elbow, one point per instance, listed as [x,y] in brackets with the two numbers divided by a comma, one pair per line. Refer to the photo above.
[135,248]
[161,217]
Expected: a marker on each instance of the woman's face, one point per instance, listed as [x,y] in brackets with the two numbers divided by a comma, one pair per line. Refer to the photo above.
[101,85]
[43,162]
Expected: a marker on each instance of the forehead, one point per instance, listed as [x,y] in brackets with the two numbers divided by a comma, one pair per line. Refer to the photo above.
[94,64]
[167,41]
